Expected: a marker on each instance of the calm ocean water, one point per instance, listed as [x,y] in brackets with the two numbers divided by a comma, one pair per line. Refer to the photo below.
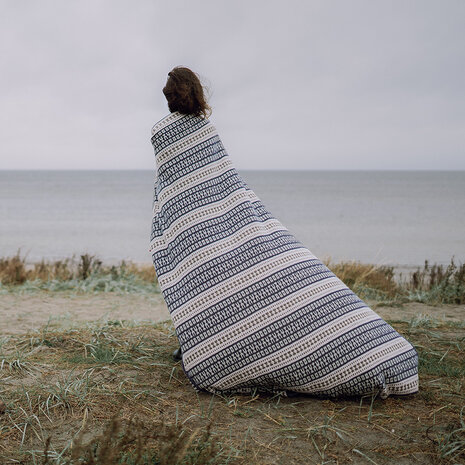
[386,217]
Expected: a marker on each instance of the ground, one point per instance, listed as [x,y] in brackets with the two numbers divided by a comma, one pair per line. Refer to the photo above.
[69,363]
[20,313]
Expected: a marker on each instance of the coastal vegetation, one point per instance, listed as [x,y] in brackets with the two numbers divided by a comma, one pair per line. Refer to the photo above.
[432,284]
[109,392]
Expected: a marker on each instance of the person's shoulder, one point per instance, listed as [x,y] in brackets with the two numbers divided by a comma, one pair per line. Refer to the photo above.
[165,121]
[189,120]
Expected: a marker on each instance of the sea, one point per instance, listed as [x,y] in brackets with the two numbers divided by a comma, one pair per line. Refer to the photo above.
[395,218]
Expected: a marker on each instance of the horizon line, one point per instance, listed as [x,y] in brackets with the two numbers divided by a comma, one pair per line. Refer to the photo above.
[241,169]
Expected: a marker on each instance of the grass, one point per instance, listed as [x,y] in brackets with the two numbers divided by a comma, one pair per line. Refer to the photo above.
[111,393]
[87,274]
[127,442]
[438,284]
[430,284]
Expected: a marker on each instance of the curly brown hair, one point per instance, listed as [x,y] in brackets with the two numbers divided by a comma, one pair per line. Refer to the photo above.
[185,93]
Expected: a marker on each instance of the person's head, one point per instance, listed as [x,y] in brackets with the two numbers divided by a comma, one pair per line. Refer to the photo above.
[185,93]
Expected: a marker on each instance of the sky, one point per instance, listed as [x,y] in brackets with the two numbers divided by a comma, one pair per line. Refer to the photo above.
[318,85]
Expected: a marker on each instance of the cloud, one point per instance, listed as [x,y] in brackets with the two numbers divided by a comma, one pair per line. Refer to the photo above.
[299,85]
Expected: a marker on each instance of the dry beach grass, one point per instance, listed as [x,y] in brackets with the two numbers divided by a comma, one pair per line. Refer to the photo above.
[100,386]
[433,284]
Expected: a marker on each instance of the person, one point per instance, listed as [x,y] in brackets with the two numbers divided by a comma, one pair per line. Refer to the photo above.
[254,310]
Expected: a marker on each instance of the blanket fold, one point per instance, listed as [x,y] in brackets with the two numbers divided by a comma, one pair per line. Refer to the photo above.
[254,310]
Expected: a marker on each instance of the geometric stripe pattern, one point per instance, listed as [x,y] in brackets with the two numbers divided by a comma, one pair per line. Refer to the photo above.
[254,310]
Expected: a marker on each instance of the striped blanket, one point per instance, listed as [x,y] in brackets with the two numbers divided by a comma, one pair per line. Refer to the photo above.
[254,310]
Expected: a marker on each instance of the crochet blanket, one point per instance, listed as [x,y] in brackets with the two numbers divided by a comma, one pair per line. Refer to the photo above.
[254,310]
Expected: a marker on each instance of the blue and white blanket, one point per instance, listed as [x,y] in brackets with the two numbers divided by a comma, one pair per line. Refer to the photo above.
[254,310]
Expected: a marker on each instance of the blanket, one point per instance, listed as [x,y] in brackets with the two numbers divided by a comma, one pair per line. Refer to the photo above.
[253,309]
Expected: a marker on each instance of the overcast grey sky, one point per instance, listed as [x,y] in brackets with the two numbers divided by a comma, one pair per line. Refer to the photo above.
[294,84]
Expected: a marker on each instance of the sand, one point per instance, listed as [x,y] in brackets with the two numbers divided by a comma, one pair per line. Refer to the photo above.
[23,313]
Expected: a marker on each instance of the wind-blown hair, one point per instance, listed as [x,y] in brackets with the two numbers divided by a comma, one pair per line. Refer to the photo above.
[185,93]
